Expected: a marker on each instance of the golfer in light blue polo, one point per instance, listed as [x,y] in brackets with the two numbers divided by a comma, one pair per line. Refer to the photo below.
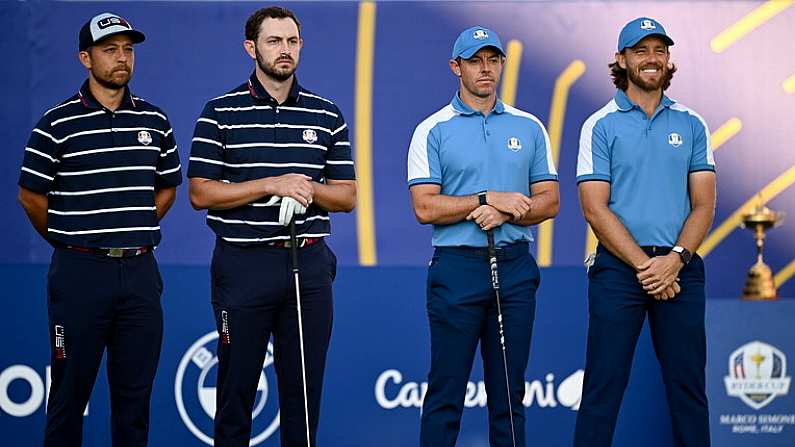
[646,179]
[479,165]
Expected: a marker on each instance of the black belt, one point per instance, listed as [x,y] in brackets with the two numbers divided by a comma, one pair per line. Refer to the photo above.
[656,250]
[506,252]
[301,242]
[112,252]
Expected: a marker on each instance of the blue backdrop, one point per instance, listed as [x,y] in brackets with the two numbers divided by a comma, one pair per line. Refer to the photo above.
[194,52]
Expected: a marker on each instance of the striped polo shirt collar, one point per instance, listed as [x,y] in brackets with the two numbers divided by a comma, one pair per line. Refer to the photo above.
[625,104]
[89,101]
[258,91]
[462,109]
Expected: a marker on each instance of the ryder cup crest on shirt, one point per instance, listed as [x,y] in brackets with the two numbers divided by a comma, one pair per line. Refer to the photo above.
[757,374]
[309,135]
[514,144]
[674,139]
[145,138]
[195,391]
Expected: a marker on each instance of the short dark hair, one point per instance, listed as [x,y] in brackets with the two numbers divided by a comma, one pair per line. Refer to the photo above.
[621,80]
[272,12]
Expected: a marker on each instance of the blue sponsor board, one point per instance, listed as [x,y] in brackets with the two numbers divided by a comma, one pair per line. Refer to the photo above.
[378,361]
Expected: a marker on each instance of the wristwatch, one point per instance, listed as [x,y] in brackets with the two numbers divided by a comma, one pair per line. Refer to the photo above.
[684,254]
[482,198]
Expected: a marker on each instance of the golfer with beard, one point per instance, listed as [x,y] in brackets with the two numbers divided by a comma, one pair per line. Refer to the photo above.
[646,179]
[264,153]
[100,171]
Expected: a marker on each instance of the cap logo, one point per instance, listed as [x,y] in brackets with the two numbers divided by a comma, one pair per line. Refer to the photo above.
[647,25]
[674,139]
[480,34]
[111,21]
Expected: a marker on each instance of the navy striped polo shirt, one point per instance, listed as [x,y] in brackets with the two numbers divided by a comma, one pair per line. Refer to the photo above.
[246,135]
[100,169]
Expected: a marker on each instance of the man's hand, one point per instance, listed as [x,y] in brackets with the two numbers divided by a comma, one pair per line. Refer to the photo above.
[488,217]
[289,208]
[297,186]
[670,292]
[514,203]
[659,273]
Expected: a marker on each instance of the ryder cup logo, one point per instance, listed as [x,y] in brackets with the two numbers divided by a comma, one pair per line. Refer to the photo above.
[647,25]
[480,34]
[144,138]
[514,144]
[194,392]
[757,374]
[310,136]
[674,139]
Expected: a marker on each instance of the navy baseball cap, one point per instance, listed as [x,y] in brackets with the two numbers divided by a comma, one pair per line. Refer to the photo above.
[471,40]
[640,28]
[105,25]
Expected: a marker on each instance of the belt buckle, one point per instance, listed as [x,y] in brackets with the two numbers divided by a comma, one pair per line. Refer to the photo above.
[116,252]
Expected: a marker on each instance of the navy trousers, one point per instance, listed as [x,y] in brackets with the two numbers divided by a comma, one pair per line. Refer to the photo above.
[253,296]
[617,307]
[462,312]
[97,302]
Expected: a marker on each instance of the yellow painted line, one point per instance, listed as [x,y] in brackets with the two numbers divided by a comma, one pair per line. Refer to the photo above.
[789,84]
[784,274]
[557,117]
[510,74]
[590,242]
[748,23]
[725,132]
[365,215]
[774,188]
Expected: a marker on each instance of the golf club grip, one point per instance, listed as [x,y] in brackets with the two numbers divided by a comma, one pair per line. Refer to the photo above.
[490,238]
[293,245]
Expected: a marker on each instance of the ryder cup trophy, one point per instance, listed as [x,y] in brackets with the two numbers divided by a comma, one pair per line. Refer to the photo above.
[760,284]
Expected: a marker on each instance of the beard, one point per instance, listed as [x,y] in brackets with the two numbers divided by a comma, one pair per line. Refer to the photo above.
[270,69]
[110,82]
[650,86]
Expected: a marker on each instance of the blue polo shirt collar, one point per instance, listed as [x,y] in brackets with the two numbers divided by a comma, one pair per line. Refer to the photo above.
[258,91]
[89,101]
[462,109]
[625,104]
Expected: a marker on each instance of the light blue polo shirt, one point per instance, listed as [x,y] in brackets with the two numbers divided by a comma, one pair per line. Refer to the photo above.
[647,162]
[467,153]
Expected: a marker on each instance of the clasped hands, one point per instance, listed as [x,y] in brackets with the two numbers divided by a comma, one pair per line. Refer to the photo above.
[659,276]
[502,207]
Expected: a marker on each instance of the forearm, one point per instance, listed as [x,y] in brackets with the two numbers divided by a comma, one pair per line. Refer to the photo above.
[544,206]
[35,206]
[335,197]
[696,227]
[440,209]
[615,237]
[164,198]
[216,195]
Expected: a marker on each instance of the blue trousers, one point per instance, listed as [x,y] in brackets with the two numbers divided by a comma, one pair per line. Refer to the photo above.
[96,303]
[462,312]
[617,307]
[253,297]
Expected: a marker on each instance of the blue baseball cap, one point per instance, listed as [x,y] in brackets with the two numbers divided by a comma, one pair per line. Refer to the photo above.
[471,40]
[640,28]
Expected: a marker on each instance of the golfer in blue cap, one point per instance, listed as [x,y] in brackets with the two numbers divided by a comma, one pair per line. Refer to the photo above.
[646,179]
[480,171]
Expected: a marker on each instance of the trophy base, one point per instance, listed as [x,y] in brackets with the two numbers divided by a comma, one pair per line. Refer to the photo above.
[760,285]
